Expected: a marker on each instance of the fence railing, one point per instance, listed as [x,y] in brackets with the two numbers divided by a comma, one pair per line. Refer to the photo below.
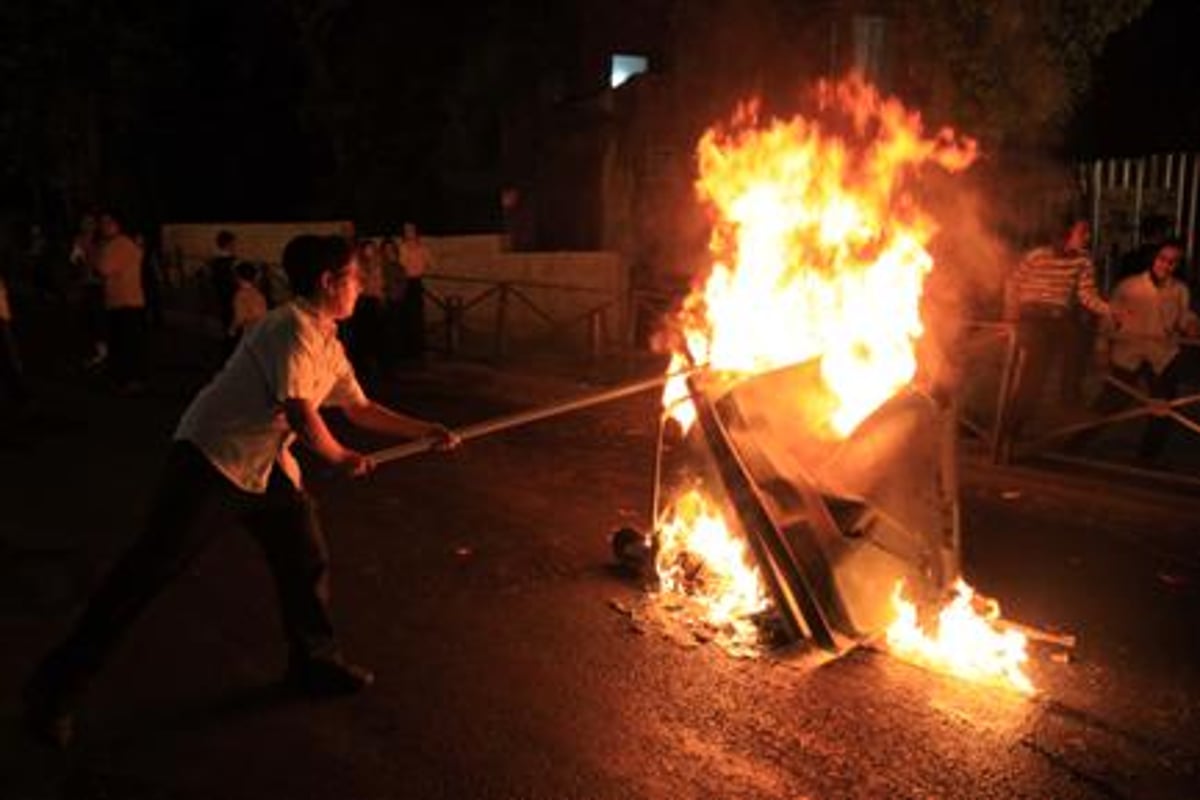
[985,394]
[1103,438]
[1121,192]
[485,308]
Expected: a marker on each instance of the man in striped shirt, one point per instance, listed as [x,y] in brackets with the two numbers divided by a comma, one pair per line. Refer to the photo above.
[1048,283]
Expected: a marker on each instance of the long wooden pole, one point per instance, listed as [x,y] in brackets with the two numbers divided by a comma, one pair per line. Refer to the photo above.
[526,417]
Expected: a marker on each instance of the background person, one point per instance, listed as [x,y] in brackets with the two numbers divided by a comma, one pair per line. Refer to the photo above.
[14,391]
[366,327]
[152,280]
[1047,283]
[249,303]
[232,454]
[415,261]
[1153,231]
[221,276]
[393,291]
[1153,309]
[119,265]
[84,250]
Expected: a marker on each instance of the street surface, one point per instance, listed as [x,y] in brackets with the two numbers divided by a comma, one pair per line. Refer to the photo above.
[511,661]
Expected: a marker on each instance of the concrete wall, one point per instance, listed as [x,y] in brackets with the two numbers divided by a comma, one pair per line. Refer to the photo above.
[563,285]
[187,246]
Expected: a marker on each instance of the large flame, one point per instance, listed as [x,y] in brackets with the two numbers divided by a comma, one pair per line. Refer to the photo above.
[818,248]
[966,640]
[818,252]
[701,559]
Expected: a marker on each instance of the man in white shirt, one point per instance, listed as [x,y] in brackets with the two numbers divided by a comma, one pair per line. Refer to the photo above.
[119,264]
[232,453]
[415,260]
[1153,312]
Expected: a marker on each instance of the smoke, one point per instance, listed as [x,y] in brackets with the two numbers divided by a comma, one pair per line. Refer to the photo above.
[988,217]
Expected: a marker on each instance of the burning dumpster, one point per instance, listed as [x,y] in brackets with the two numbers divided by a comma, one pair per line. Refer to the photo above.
[814,476]
[802,473]
[832,526]
[817,445]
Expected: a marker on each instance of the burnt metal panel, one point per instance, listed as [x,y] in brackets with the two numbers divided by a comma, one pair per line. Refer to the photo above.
[834,522]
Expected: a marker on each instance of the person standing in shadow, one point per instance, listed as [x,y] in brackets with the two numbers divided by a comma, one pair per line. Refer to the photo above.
[415,261]
[1154,311]
[1047,283]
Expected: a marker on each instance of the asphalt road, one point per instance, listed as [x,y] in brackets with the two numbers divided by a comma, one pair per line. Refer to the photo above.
[512,660]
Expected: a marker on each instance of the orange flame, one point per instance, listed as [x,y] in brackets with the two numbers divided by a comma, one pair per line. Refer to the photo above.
[965,642]
[818,248]
[819,252]
[700,558]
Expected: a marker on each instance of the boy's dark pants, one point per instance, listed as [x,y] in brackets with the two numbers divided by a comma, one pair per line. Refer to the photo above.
[1162,386]
[184,517]
[127,343]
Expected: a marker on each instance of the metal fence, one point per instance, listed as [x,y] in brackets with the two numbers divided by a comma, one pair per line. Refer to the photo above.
[1123,191]
[480,316]
[1104,440]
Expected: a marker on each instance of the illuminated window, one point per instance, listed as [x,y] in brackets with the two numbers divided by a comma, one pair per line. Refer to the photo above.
[625,66]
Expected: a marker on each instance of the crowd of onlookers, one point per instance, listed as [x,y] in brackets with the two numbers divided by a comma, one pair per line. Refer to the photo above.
[109,283]
[1143,328]
[113,279]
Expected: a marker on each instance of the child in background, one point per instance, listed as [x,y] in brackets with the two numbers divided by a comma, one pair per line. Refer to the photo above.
[249,303]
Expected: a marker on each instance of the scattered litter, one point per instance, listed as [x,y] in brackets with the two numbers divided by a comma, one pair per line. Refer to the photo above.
[1011,494]
[654,614]
[619,607]
[1172,578]
[462,552]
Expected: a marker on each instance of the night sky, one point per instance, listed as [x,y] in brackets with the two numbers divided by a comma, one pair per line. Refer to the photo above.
[371,109]
[262,109]
[1144,96]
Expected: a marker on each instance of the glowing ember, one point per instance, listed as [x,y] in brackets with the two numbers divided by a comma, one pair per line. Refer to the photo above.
[699,558]
[818,248]
[966,642]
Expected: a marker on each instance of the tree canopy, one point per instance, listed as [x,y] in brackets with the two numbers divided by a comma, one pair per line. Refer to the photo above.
[1011,71]
[203,109]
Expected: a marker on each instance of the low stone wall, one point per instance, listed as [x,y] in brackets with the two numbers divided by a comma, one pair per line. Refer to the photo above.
[187,246]
[563,286]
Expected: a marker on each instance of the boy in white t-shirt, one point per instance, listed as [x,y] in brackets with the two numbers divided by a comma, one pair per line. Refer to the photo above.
[232,453]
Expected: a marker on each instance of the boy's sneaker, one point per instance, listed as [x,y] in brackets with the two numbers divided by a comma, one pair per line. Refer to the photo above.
[328,677]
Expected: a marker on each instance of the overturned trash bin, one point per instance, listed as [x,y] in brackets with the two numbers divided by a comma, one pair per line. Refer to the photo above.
[834,524]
